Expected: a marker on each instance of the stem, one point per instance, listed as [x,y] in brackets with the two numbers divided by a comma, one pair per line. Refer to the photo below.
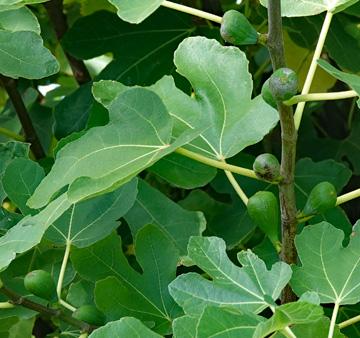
[22,113]
[6,305]
[63,269]
[67,305]
[333,320]
[61,277]
[311,73]
[217,164]
[348,197]
[288,151]
[236,187]
[286,331]
[321,97]
[349,322]
[57,17]
[17,299]
[192,11]
[10,134]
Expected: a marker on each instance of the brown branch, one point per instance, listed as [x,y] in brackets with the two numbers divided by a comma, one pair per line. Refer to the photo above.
[26,123]
[57,17]
[17,299]
[275,45]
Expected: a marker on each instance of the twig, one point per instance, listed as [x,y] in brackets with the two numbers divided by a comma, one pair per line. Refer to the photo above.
[17,299]
[26,123]
[288,142]
[57,17]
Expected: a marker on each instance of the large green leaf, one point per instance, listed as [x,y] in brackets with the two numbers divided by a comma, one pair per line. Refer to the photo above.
[289,314]
[135,11]
[121,290]
[125,327]
[327,267]
[177,224]
[249,288]
[139,134]
[89,221]
[8,152]
[21,19]
[352,80]
[183,172]
[22,54]
[223,87]
[29,231]
[311,7]
[72,113]
[20,179]
[142,53]
[217,322]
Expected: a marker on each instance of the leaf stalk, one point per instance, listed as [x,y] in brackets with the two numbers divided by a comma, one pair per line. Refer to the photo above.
[192,11]
[311,73]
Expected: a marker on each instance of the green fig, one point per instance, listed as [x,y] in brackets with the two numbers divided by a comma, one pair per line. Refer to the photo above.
[263,209]
[41,284]
[267,167]
[237,30]
[267,94]
[283,84]
[89,314]
[322,197]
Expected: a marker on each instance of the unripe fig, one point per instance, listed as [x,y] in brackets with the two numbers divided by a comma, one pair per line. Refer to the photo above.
[267,94]
[322,197]
[263,209]
[41,284]
[237,30]
[283,84]
[267,167]
[89,314]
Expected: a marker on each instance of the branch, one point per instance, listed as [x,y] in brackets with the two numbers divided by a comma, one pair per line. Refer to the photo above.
[288,142]
[192,11]
[57,17]
[17,299]
[21,111]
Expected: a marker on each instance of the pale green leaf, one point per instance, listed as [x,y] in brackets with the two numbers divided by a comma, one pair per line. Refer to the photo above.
[29,231]
[8,152]
[223,323]
[124,327]
[22,54]
[177,224]
[352,80]
[248,288]
[20,179]
[183,172]
[223,86]
[6,5]
[125,291]
[311,7]
[135,11]
[139,134]
[287,315]
[87,222]
[326,266]
[21,19]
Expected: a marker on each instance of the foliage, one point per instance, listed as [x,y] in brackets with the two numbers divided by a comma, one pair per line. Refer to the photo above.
[128,135]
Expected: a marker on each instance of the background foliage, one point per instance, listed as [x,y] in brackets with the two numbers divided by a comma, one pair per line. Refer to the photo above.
[96,99]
